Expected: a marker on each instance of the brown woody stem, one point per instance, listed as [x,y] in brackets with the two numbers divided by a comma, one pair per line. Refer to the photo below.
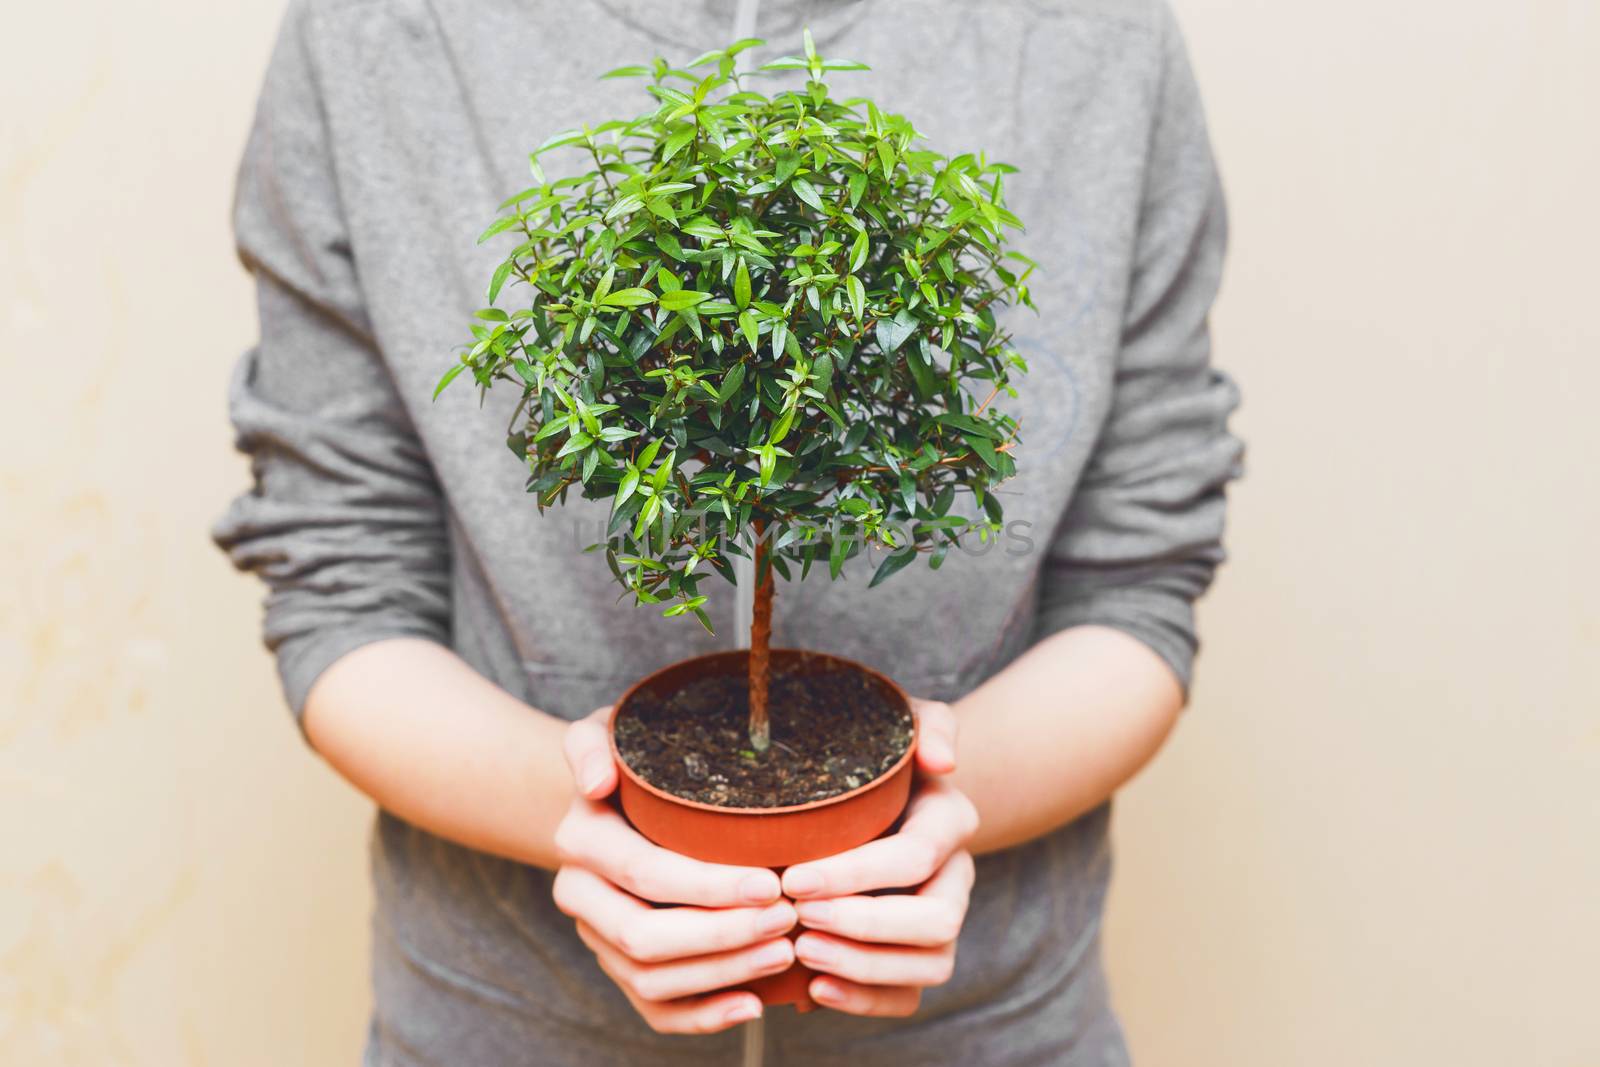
[760,645]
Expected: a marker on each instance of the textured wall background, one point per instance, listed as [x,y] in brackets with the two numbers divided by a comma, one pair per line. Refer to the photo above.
[1374,840]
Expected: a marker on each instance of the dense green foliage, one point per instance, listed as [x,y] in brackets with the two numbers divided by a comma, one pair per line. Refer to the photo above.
[753,308]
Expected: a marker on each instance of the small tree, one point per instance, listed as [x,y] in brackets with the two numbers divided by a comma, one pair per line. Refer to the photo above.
[758,324]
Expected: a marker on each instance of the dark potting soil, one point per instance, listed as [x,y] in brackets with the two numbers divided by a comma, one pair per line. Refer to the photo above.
[831,733]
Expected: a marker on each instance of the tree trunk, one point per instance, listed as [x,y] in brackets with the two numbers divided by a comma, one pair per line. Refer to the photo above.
[760,645]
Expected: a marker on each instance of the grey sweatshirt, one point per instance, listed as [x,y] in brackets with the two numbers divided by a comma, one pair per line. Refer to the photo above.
[386,133]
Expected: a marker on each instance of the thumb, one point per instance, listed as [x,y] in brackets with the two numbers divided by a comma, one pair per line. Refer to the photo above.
[587,746]
[936,737]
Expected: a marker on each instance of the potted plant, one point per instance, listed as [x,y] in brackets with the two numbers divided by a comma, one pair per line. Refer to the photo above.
[764,329]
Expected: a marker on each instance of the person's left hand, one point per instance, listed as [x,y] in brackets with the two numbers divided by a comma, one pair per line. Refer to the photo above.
[877,953]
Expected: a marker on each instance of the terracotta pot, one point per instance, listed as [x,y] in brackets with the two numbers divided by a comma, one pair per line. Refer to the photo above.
[765,837]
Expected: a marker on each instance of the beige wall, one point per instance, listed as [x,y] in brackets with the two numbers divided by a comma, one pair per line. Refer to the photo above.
[1376,838]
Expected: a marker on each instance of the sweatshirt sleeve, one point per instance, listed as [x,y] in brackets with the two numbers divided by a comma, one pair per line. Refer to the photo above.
[345,522]
[1142,537]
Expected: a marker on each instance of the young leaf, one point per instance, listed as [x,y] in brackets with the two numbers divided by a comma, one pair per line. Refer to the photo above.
[858,251]
[681,299]
[629,298]
[858,296]
[449,376]
[741,284]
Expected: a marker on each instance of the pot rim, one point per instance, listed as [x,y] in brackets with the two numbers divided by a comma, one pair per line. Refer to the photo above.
[788,809]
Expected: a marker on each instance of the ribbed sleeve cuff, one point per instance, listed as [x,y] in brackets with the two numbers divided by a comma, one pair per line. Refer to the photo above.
[303,658]
[1162,621]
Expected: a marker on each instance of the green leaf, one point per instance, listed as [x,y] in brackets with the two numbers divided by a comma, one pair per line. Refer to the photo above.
[966,424]
[892,333]
[630,482]
[741,284]
[858,296]
[682,298]
[629,298]
[822,369]
[887,158]
[669,244]
[676,142]
[751,328]
[565,137]
[702,227]
[985,449]
[498,227]
[807,192]
[892,565]
[622,207]
[836,553]
[604,287]
[780,338]
[788,163]
[449,376]
[858,250]
[780,429]
[731,382]
[921,372]
[501,273]
[858,185]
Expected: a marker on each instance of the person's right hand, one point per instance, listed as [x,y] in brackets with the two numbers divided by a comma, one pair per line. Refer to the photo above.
[673,963]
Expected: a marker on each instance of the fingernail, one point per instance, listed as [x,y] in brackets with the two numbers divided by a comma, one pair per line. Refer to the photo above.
[774,955]
[743,1011]
[777,919]
[812,912]
[802,883]
[815,950]
[594,773]
[759,888]
[826,992]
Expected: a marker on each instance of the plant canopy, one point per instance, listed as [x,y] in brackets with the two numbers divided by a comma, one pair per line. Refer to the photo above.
[757,324]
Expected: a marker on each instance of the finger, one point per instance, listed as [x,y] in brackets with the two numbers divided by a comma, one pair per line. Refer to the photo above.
[587,746]
[652,935]
[875,964]
[939,819]
[929,918]
[936,737]
[657,982]
[885,1000]
[699,1015]
[595,837]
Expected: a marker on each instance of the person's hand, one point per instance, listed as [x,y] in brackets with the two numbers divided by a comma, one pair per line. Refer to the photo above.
[672,963]
[877,953]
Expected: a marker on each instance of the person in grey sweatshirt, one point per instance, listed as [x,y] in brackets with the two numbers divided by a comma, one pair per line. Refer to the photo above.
[436,635]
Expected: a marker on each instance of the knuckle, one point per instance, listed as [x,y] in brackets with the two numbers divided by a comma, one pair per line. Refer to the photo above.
[569,840]
[905,1006]
[639,874]
[660,1021]
[703,1021]
[965,864]
[970,820]
[946,924]
[649,984]
[634,940]
[922,857]
[563,892]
